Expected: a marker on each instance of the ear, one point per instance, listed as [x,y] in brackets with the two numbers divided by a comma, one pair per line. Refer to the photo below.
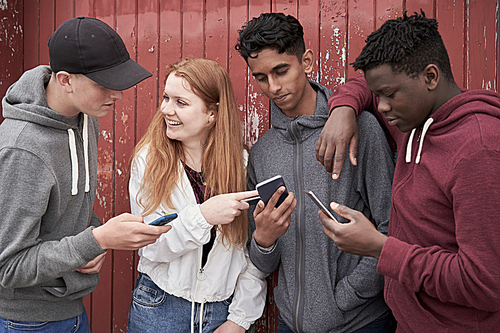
[211,116]
[308,61]
[64,80]
[432,75]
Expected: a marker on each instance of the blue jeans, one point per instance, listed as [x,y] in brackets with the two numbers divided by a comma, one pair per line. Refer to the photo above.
[78,324]
[153,310]
[382,324]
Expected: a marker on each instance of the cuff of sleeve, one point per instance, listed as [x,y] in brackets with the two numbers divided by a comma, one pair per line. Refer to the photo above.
[86,245]
[392,258]
[239,321]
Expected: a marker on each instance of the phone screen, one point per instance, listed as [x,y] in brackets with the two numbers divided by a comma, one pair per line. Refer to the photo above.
[164,219]
[320,205]
[267,188]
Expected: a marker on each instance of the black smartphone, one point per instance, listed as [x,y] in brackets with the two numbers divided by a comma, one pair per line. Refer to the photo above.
[164,219]
[267,188]
[320,205]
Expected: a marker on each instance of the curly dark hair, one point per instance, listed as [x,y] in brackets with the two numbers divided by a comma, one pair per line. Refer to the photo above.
[271,31]
[408,44]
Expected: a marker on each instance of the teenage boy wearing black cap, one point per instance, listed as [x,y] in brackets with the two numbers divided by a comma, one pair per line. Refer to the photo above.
[52,244]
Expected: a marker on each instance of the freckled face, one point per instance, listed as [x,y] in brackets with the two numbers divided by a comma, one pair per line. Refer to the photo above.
[405,101]
[185,113]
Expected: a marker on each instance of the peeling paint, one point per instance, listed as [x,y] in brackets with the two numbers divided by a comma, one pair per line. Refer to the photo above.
[4,5]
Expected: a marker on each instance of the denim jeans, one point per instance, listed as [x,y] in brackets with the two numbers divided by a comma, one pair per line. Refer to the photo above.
[78,324]
[153,310]
[382,324]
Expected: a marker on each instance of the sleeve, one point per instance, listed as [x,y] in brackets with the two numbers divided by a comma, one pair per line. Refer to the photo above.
[25,259]
[249,296]
[471,275]
[356,94]
[267,262]
[375,172]
[189,230]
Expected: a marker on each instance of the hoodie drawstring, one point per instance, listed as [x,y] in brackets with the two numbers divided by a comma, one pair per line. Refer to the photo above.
[74,157]
[193,313]
[426,126]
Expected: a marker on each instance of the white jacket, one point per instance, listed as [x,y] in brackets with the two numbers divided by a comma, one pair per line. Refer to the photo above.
[173,262]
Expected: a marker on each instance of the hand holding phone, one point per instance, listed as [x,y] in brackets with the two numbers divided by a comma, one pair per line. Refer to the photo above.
[320,205]
[267,188]
[164,219]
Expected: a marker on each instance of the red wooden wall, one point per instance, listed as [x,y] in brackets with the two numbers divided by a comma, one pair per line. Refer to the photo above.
[157,32]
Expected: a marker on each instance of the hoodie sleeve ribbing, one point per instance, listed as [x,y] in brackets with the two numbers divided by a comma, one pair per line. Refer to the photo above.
[25,258]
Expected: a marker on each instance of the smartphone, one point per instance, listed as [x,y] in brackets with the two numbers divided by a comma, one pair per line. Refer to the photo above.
[320,205]
[267,188]
[164,219]
[249,200]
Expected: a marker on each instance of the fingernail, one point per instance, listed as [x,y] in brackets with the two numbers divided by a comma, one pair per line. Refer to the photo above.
[335,176]
[335,205]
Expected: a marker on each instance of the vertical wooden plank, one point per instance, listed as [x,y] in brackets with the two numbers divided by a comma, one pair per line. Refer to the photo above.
[333,43]
[125,117]
[217,34]
[84,8]
[102,302]
[481,44]
[387,10]
[428,6]
[64,10]
[360,25]
[287,7]
[170,36]
[47,27]
[237,67]
[147,56]
[450,17]
[308,16]
[193,29]
[31,35]
[258,103]
[11,44]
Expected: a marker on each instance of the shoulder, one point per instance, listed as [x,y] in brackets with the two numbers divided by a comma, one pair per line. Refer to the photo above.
[368,124]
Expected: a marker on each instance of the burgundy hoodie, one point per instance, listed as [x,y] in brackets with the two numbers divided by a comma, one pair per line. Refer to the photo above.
[442,258]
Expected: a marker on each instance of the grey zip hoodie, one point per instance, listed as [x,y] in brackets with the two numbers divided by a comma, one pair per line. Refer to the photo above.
[320,288]
[48,171]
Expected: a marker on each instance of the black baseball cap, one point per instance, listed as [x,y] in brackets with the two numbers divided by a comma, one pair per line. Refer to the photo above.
[88,46]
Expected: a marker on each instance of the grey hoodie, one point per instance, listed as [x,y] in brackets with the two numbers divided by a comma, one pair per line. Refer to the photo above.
[320,288]
[47,193]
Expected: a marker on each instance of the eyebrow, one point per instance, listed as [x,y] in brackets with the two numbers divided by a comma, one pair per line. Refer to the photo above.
[275,68]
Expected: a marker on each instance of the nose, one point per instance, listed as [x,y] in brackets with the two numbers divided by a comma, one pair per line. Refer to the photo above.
[165,107]
[274,85]
[383,106]
[116,94]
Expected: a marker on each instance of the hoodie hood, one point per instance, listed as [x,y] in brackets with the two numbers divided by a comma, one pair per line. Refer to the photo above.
[302,126]
[25,100]
[468,103]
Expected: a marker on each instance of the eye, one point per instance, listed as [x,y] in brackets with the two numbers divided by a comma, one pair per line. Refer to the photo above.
[181,102]
[165,97]
[282,72]
[261,78]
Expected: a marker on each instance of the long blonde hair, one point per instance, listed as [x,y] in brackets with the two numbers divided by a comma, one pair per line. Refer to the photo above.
[223,165]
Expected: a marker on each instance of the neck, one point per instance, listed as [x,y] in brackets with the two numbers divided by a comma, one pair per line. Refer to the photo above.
[307,104]
[447,92]
[193,156]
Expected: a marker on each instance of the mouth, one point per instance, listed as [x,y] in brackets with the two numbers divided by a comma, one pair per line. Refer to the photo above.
[280,99]
[173,122]
[391,120]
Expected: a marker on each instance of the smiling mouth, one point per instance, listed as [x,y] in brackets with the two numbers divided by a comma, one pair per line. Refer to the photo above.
[173,123]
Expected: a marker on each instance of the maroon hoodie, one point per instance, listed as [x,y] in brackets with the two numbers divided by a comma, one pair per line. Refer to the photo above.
[442,258]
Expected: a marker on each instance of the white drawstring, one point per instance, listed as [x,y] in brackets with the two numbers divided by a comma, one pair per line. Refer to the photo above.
[408,146]
[426,126]
[86,151]
[424,130]
[201,314]
[74,162]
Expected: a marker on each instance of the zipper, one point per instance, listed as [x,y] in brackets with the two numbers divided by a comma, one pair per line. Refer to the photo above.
[298,321]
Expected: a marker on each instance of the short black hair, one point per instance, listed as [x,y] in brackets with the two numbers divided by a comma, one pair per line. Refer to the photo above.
[408,44]
[271,31]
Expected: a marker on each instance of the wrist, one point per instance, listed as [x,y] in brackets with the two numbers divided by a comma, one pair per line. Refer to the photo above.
[263,243]
[99,237]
